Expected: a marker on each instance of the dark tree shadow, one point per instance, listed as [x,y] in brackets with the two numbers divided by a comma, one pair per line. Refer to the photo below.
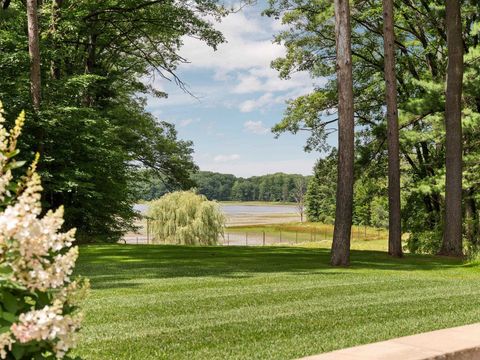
[111,266]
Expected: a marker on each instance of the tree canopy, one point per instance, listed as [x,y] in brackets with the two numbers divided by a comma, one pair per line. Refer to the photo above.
[91,128]
[421,64]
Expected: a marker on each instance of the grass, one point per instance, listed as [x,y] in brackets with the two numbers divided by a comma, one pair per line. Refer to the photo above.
[171,302]
[312,235]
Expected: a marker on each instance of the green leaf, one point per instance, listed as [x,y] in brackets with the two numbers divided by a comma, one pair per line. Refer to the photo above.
[10,302]
[15,165]
[11,318]
[5,270]
[18,350]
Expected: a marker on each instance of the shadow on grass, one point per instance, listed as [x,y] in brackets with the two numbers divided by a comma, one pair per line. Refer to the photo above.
[111,266]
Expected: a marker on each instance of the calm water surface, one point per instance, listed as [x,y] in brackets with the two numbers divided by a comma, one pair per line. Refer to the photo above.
[242,209]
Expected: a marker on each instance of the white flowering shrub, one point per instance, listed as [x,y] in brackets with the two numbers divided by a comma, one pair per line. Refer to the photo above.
[39,314]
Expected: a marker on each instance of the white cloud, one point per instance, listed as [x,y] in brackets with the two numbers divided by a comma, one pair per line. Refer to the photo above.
[241,66]
[255,127]
[186,122]
[278,26]
[267,100]
[248,83]
[226,158]
[249,44]
[262,102]
[267,80]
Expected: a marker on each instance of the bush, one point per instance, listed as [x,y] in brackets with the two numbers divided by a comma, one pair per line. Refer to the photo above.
[38,300]
[184,217]
[424,242]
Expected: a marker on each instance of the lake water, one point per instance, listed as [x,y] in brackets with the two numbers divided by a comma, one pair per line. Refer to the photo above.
[236,215]
[232,210]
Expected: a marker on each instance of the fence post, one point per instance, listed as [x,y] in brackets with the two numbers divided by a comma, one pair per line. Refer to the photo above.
[246,239]
[228,239]
[137,240]
[263,238]
[280,235]
[296,236]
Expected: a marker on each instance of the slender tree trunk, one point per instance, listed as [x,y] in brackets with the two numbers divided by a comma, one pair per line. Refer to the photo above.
[452,236]
[34,51]
[394,206]
[346,127]
[55,66]
[91,59]
[91,54]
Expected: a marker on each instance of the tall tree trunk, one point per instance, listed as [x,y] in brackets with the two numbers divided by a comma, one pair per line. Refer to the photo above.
[394,206]
[34,51]
[346,127]
[55,66]
[91,54]
[90,61]
[452,236]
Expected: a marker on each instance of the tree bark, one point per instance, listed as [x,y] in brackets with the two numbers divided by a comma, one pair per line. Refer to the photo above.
[452,236]
[55,66]
[346,126]
[91,54]
[394,205]
[34,52]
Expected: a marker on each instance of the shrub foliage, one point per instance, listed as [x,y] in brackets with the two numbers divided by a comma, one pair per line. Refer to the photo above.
[184,217]
[38,301]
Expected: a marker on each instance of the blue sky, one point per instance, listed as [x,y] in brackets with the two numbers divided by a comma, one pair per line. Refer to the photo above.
[239,98]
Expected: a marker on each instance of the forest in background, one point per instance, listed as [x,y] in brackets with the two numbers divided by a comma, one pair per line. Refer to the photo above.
[277,187]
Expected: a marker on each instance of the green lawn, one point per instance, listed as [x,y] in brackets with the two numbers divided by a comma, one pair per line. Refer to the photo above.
[170,302]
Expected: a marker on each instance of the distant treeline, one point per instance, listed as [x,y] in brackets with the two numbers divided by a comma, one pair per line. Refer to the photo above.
[227,187]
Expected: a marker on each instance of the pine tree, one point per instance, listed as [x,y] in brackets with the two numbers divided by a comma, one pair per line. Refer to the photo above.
[346,129]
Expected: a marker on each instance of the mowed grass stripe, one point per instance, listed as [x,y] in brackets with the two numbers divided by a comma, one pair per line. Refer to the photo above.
[279,303]
[246,314]
[349,329]
[282,291]
[234,302]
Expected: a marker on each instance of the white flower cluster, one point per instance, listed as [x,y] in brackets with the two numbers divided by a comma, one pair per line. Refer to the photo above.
[6,342]
[48,324]
[40,257]
[35,239]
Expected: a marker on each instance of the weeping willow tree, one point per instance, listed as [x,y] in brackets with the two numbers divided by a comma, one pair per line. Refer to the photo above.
[186,218]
